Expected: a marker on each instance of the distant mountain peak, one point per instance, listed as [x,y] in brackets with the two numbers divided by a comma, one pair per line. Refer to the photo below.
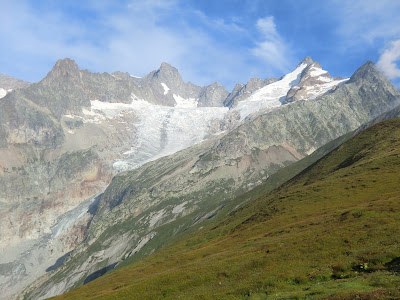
[167,69]
[307,60]
[166,66]
[167,73]
[63,68]
[367,70]
[66,64]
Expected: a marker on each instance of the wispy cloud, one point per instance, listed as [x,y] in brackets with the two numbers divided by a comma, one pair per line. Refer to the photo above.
[136,36]
[387,61]
[367,21]
[272,48]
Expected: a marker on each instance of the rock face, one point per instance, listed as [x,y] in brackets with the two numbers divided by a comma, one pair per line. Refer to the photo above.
[8,83]
[242,92]
[314,82]
[212,95]
[58,149]
[143,208]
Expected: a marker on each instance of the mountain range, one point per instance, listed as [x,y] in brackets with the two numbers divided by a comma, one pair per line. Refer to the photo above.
[100,169]
[276,247]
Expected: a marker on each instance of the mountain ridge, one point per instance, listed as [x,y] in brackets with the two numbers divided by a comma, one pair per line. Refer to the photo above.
[195,183]
[276,246]
[63,140]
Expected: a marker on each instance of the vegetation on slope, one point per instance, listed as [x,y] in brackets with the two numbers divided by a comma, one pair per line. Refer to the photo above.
[331,232]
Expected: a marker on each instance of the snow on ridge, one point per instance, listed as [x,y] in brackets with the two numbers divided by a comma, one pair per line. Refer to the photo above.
[271,95]
[165,87]
[323,88]
[317,72]
[185,103]
[3,93]
[164,130]
[324,79]
[135,76]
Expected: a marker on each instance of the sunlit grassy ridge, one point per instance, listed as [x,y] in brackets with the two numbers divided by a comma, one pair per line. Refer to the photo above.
[331,232]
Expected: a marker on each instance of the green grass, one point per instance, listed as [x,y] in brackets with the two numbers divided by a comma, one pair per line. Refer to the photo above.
[332,232]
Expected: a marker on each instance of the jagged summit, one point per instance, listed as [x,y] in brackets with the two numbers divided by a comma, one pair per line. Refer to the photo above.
[367,71]
[62,68]
[66,63]
[307,60]
[167,66]
[167,71]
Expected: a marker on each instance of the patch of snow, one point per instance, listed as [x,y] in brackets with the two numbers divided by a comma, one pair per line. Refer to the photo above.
[135,76]
[143,241]
[92,116]
[323,88]
[181,102]
[155,217]
[3,92]
[312,149]
[324,79]
[179,208]
[165,87]
[271,95]
[317,72]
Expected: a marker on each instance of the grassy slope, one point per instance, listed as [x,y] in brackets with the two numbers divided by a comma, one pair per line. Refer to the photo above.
[333,231]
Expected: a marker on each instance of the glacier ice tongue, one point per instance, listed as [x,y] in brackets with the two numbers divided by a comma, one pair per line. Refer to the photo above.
[161,130]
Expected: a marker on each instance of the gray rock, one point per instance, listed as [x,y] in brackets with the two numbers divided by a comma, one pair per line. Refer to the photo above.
[212,95]
[242,92]
[11,83]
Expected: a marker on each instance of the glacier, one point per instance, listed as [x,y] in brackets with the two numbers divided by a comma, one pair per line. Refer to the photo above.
[164,130]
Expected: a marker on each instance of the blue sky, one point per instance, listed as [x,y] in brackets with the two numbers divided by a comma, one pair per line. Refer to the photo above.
[208,41]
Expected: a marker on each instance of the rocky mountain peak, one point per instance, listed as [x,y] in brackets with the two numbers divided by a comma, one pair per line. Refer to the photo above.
[66,63]
[213,95]
[254,83]
[314,81]
[314,70]
[307,60]
[367,71]
[316,65]
[167,71]
[62,69]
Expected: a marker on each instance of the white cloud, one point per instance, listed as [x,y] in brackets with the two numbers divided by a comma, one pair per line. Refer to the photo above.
[365,21]
[267,27]
[272,48]
[387,61]
[136,38]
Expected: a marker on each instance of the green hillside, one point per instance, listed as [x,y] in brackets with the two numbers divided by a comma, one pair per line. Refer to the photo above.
[331,232]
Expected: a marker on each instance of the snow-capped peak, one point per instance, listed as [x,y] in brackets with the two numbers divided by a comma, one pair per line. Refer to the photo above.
[271,95]
[314,82]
